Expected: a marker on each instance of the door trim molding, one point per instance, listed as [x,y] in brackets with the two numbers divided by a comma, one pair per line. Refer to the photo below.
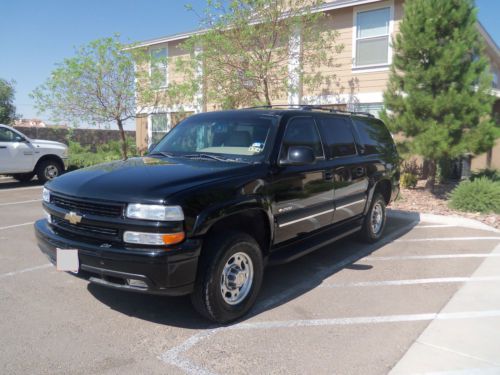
[305,218]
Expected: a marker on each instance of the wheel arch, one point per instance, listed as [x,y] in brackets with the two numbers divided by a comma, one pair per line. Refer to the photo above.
[49,157]
[254,221]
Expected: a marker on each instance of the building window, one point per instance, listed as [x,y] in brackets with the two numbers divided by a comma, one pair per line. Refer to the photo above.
[159,126]
[372,37]
[158,68]
[372,108]
[495,83]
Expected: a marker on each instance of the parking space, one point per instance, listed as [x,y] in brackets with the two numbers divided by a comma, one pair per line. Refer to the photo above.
[349,308]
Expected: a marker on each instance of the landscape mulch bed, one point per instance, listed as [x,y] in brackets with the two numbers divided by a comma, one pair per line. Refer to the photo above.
[436,202]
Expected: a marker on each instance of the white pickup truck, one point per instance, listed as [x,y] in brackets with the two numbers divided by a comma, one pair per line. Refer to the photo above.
[22,157]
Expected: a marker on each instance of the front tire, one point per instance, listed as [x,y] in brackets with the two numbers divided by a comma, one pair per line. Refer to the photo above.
[375,219]
[229,277]
[47,170]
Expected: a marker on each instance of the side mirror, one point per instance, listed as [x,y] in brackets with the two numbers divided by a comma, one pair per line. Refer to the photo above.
[299,155]
[151,147]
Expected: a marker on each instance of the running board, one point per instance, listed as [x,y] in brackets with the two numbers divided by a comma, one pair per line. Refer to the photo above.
[305,246]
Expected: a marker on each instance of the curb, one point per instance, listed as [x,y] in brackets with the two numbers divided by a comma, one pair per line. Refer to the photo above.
[457,221]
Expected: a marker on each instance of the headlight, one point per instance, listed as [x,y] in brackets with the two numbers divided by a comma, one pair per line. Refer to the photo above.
[154,212]
[46,195]
[144,238]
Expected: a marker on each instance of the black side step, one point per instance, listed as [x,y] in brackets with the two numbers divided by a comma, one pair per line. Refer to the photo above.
[307,245]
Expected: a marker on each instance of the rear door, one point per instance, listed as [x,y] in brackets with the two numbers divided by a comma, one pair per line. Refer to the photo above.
[349,172]
[16,154]
[303,195]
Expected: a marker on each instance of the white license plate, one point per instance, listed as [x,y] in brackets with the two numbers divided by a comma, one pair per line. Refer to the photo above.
[67,260]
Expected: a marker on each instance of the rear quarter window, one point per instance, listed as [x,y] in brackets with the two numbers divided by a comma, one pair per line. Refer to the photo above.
[373,135]
[337,136]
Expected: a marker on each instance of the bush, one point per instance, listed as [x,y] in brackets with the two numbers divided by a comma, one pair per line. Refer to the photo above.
[490,174]
[411,166]
[408,180]
[81,156]
[480,195]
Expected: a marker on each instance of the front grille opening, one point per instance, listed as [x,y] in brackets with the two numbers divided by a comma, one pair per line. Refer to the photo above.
[86,207]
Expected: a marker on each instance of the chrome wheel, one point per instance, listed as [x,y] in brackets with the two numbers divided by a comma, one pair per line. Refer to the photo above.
[377,218]
[51,172]
[236,279]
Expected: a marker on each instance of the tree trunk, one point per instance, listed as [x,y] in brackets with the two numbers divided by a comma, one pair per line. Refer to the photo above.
[489,157]
[123,139]
[266,93]
[431,177]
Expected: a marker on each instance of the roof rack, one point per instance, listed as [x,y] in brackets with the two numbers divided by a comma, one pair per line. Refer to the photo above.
[310,107]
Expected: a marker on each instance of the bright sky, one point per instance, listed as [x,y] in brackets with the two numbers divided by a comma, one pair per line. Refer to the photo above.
[36,34]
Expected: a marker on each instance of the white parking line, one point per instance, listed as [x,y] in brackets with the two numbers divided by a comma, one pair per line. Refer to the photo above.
[20,202]
[22,188]
[468,371]
[13,273]
[173,356]
[447,239]
[16,225]
[439,256]
[435,226]
[437,280]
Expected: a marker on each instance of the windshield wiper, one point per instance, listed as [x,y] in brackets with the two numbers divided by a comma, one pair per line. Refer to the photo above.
[162,153]
[212,157]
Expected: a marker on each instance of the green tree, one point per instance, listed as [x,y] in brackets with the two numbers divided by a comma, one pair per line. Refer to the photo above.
[245,49]
[438,94]
[7,108]
[98,85]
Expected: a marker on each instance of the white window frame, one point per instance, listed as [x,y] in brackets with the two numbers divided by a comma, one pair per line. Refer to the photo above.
[366,8]
[150,124]
[165,47]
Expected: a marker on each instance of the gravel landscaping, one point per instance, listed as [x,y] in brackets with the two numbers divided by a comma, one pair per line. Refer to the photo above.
[420,200]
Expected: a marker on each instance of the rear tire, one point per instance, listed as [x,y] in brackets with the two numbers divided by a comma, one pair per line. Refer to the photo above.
[375,219]
[48,170]
[23,177]
[229,277]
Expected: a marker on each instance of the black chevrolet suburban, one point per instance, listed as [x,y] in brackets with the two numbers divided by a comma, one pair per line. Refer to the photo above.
[220,197]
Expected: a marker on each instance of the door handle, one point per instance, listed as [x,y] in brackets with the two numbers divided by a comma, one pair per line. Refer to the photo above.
[3,146]
[328,175]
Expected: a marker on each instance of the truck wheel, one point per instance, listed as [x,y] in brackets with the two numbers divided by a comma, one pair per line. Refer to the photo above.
[374,223]
[23,177]
[229,277]
[48,170]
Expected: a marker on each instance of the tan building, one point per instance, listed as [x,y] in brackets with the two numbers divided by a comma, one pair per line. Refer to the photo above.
[364,27]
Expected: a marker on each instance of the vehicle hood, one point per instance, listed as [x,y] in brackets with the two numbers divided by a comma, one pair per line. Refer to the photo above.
[145,180]
[47,144]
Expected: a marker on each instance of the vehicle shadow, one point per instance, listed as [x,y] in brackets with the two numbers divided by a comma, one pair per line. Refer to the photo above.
[11,183]
[281,283]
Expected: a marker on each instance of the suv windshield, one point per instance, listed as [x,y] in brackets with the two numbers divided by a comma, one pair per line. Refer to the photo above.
[242,136]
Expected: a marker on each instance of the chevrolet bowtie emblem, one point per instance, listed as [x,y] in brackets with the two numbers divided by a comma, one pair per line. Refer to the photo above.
[73,217]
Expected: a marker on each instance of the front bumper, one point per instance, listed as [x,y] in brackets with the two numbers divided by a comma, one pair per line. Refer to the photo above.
[167,272]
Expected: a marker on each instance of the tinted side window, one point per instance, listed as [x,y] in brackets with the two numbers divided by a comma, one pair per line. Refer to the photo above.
[373,134]
[338,137]
[301,131]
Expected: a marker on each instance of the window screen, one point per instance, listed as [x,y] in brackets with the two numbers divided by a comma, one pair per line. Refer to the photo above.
[337,135]
[372,37]
[301,131]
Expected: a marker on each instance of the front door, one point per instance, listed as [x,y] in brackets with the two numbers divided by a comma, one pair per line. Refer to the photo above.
[303,195]
[16,154]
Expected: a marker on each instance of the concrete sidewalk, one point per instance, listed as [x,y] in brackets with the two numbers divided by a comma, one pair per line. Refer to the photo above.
[461,346]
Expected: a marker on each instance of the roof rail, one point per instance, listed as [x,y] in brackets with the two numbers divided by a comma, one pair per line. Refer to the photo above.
[310,107]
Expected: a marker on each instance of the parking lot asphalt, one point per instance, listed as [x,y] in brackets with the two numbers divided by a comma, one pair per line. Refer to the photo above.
[407,304]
